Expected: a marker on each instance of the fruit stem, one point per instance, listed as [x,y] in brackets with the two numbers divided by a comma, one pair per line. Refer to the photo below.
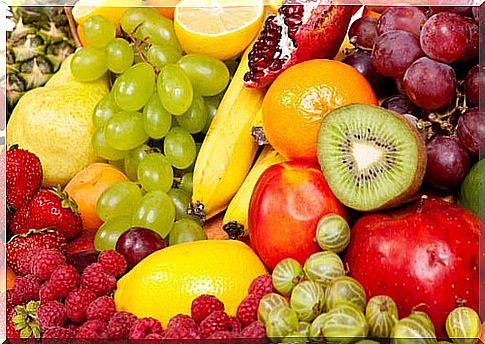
[420,207]
[233,229]
[197,208]
[259,136]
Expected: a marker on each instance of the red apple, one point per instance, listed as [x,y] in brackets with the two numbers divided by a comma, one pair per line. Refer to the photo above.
[426,253]
[287,203]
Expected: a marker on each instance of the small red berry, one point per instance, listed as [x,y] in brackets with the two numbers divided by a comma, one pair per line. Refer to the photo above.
[25,263]
[51,313]
[92,329]
[96,279]
[221,335]
[145,326]
[120,324]
[59,333]
[64,279]
[203,305]
[216,321]
[47,293]
[77,303]
[261,286]
[46,261]
[254,330]
[113,262]
[25,289]
[236,325]
[247,311]
[102,308]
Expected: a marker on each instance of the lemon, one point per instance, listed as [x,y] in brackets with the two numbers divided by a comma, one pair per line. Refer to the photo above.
[164,284]
[110,9]
[219,28]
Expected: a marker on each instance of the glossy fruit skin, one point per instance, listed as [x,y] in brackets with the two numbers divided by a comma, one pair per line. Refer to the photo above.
[424,253]
[294,187]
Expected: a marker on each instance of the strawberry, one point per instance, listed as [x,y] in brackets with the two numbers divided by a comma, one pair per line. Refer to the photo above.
[21,243]
[49,208]
[24,176]
[83,243]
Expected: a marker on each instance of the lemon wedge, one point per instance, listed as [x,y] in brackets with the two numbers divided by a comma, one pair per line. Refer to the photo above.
[110,9]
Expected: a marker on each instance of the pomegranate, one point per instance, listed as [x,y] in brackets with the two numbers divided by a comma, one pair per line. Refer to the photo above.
[425,254]
[301,30]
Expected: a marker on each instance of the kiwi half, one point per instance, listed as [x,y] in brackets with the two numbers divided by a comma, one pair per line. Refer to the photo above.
[371,157]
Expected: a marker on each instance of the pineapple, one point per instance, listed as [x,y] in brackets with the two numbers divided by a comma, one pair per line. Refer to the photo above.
[36,47]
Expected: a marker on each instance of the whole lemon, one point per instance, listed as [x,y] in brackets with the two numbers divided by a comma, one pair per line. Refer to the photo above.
[164,284]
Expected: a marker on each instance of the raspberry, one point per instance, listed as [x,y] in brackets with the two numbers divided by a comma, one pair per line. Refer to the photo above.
[77,302]
[25,262]
[45,262]
[261,286]
[102,308]
[113,262]
[25,289]
[216,321]
[145,326]
[64,279]
[182,320]
[92,329]
[181,332]
[235,325]
[47,292]
[154,336]
[120,324]
[97,280]
[247,311]
[203,306]
[221,335]
[59,332]
[51,313]
[254,330]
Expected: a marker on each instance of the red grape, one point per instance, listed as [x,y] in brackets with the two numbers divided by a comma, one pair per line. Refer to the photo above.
[394,51]
[362,62]
[444,37]
[137,243]
[448,162]
[474,79]
[471,50]
[430,84]
[363,32]
[471,130]
[402,105]
[405,18]
[399,86]
[462,10]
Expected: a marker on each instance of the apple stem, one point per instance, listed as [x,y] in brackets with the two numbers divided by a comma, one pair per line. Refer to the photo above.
[419,210]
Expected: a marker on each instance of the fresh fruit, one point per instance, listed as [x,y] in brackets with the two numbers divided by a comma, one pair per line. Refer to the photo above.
[406,18]
[333,233]
[45,262]
[180,148]
[268,303]
[36,47]
[118,199]
[474,78]
[471,189]
[217,176]
[365,184]
[297,33]
[113,262]
[86,187]
[324,267]
[49,208]
[408,328]
[137,243]
[308,300]
[155,211]
[463,325]
[186,230]
[112,10]
[134,87]
[107,235]
[281,321]
[288,230]
[363,32]
[402,104]
[119,55]
[224,267]
[345,290]
[286,275]
[444,230]
[471,130]
[297,101]
[236,214]
[97,279]
[217,29]
[23,176]
[63,108]
[175,89]
[88,64]
[98,31]
[154,172]
[381,315]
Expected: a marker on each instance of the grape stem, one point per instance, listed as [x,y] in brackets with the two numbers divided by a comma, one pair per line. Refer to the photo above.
[139,44]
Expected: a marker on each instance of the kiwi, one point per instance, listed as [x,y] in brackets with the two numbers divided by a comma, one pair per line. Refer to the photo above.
[371,157]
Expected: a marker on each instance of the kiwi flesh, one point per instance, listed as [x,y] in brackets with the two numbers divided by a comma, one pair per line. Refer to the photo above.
[371,157]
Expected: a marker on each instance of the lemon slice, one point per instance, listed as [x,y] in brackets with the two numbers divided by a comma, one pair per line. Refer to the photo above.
[110,9]
[219,28]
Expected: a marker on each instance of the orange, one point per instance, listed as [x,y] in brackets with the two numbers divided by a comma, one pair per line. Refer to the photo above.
[80,34]
[10,278]
[86,187]
[370,13]
[299,98]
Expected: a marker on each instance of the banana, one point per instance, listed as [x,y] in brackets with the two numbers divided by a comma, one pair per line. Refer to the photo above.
[257,131]
[228,150]
[236,217]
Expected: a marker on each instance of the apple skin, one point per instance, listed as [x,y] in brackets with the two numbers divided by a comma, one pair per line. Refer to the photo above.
[426,253]
[287,203]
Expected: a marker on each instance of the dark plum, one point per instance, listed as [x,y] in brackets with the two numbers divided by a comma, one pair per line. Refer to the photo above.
[474,79]
[137,243]
[363,32]
[402,105]
[471,130]
[448,162]
[407,18]
[362,62]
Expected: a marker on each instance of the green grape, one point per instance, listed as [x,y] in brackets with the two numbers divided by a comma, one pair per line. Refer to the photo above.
[133,158]
[119,55]
[88,64]
[197,150]
[155,211]
[286,275]
[134,17]
[269,302]
[161,55]
[107,235]
[308,300]
[174,89]
[156,120]
[179,148]
[211,103]
[186,230]
[125,131]
[195,118]
[345,289]
[103,149]
[186,183]
[155,172]
[133,88]
[181,200]
[463,325]
[160,32]
[208,75]
[104,110]
[324,267]
[98,31]
[117,200]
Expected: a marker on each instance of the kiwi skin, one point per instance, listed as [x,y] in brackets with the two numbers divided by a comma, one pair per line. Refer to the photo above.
[409,193]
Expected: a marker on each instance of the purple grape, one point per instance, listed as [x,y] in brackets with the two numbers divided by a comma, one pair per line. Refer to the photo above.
[444,37]
[137,243]
[82,259]
[363,32]
[430,84]
[399,86]
[471,50]
[471,130]
[474,79]
[405,18]
[448,162]
[394,51]
[362,62]
[461,10]
[402,105]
